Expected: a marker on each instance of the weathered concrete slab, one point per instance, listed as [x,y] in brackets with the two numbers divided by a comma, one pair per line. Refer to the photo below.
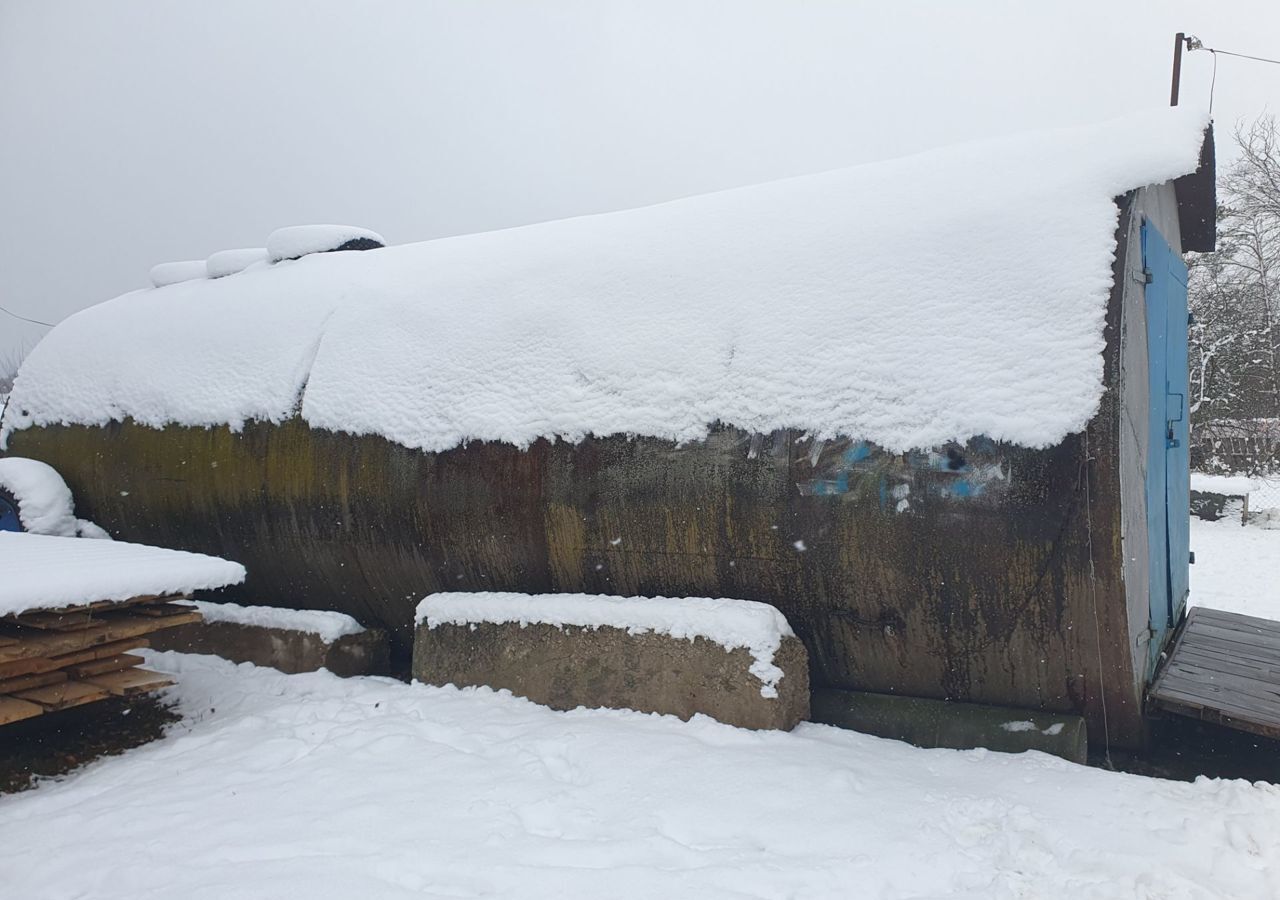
[565,667]
[286,649]
[958,726]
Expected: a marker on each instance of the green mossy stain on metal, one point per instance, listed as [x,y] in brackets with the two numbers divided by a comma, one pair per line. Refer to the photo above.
[965,597]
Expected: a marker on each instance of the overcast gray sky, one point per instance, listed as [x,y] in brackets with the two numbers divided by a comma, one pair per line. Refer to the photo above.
[136,132]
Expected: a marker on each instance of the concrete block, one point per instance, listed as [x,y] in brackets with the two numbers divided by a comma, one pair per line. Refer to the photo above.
[959,726]
[289,650]
[568,666]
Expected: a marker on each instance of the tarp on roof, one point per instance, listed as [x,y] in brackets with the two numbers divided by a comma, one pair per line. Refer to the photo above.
[954,293]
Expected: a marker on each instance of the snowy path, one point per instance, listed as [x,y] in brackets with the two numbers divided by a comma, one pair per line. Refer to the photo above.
[311,786]
[1237,569]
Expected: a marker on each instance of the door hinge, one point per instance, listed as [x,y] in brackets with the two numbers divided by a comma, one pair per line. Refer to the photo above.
[1147,277]
[1193,557]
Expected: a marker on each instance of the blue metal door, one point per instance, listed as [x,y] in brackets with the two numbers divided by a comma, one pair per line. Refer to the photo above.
[1168,462]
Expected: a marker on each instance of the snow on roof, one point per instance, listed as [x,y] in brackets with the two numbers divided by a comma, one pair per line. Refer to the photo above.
[954,293]
[45,572]
[757,627]
[165,274]
[229,262]
[297,241]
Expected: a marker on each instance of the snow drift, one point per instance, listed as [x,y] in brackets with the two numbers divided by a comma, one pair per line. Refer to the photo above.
[950,294]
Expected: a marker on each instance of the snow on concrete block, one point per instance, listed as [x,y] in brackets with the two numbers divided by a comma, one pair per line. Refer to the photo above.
[300,240]
[46,572]
[737,661]
[289,640]
[169,273]
[229,262]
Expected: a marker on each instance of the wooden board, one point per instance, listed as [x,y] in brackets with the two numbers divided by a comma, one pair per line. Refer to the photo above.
[128,682]
[48,664]
[1223,667]
[55,621]
[62,696]
[110,626]
[102,666]
[13,709]
[27,682]
[120,604]
[161,610]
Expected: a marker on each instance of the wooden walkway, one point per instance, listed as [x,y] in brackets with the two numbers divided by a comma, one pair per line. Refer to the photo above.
[1224,668]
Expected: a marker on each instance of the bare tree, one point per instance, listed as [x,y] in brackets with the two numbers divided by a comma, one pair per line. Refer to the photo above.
[9,363]
[1235,299]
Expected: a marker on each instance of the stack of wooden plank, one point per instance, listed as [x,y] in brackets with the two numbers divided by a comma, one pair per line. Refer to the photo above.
[59,658]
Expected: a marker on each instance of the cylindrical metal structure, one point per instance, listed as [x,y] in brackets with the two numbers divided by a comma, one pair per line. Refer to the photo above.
[959,573]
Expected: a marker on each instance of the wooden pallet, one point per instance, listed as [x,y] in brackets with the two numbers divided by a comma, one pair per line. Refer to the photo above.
[59,658]
[1225,668]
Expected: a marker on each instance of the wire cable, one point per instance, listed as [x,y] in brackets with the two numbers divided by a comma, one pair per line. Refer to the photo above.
[25,319]
[1194,43]
[1213,82]
[1245,56]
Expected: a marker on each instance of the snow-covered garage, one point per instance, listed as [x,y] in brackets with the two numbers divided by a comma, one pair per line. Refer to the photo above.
[914,405]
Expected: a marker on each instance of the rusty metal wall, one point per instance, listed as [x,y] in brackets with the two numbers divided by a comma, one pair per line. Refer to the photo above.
[961,573]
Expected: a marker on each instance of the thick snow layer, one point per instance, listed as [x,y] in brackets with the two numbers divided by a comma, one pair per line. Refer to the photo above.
[314,786]
[1236,568]
[42,572]
[954,293]
[328,625]
[165,274]
[1234,485]
[757,627]
[229,262]
[301,240]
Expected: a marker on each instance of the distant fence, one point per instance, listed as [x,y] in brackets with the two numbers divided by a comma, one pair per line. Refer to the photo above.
[1264,500]
[1241,446]
[1251,499]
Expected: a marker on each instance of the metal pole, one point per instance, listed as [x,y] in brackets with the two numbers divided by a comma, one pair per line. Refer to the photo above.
[1178,41]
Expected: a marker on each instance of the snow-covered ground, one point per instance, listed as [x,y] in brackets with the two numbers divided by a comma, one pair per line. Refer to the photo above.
[1237,568]
[312,786]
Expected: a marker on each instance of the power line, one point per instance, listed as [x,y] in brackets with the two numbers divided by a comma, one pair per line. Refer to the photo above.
[25,319]
[1194,43]
[1245,56]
